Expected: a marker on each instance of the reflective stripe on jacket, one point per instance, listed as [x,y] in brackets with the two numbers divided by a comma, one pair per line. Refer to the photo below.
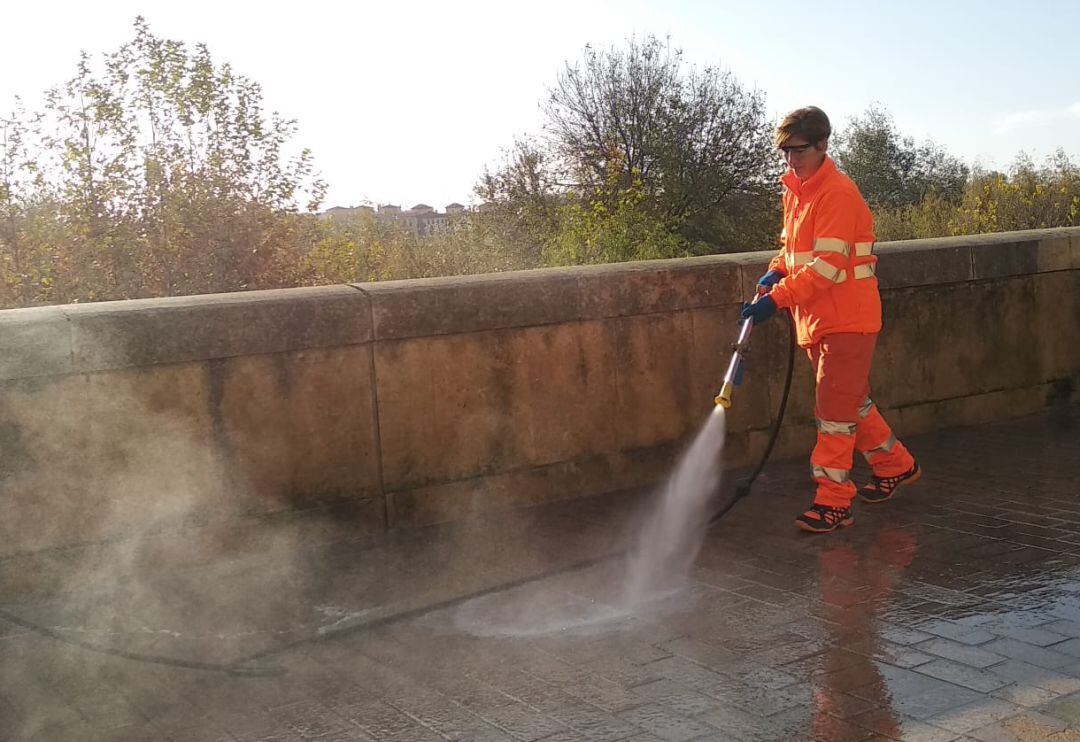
[830,284]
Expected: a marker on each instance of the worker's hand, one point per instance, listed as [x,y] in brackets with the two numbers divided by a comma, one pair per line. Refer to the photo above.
[760,310]
[767,281]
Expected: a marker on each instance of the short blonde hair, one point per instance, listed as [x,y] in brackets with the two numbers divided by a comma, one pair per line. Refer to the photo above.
[810,123]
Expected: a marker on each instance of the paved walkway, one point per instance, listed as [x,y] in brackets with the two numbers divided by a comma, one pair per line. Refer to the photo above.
[951,613]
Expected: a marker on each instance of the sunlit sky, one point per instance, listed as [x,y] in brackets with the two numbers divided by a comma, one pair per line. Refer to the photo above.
[406,102]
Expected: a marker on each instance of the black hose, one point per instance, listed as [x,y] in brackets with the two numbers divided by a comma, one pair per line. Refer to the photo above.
[742,487]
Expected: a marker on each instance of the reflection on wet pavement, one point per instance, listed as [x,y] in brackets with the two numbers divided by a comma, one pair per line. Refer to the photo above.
[951,613]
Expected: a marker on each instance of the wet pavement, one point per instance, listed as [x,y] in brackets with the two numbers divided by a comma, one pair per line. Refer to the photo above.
[952,612]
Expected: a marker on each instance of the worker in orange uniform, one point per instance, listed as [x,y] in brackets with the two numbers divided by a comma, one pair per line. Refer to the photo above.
[824,275]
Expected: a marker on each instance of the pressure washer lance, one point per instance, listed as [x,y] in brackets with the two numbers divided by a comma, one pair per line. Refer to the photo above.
[734,375]
[732,379]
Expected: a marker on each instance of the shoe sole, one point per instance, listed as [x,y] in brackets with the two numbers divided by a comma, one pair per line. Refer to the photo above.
[910,480]
[804,526]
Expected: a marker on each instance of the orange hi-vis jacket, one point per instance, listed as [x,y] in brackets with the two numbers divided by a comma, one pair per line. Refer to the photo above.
[827,257]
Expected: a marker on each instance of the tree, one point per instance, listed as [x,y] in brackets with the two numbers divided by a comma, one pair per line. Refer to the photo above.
[522,199]
[158,173]
[16,169]
[694,142]
[891,170]
[592,230]
[1028,197]
[1025,197]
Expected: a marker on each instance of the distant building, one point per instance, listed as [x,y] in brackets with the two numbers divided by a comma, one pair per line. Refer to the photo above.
[344,212]
[422,220]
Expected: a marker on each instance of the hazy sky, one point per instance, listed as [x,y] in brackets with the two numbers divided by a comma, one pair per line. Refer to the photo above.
[406,102]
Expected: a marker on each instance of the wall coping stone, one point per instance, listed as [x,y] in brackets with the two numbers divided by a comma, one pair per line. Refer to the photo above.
[494,301]
[82,338]
[59,340]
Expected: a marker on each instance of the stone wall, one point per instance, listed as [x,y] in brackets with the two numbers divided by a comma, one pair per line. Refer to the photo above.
[415,401]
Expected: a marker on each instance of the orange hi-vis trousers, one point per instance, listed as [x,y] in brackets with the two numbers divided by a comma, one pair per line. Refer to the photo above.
[847,419]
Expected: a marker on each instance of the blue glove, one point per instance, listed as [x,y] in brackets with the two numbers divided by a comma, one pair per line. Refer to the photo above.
[760,310]
[770,279]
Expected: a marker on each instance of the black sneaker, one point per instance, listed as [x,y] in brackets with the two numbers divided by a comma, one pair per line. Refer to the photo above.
[822,519]
[882,488]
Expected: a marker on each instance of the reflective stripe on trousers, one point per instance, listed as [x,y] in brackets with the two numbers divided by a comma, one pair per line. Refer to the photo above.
[840,476]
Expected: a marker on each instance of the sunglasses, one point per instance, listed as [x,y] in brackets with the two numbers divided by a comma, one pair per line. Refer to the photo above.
[797,149]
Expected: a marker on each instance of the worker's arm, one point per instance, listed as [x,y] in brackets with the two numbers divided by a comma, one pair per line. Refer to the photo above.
[834,235]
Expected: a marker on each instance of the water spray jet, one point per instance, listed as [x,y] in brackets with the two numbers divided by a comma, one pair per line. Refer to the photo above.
[673,534]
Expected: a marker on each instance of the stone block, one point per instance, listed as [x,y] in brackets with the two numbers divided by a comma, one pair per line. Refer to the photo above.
[450,408]
[442,306]
[648,287]
[973,409]
[297,428]
[902,365]
[655,403]
[1056,303]
[146,332]
[995,259]
[566,376]
[34,342]
[108,454]
[911,263]
[751,267]
[967,339]
[461,304]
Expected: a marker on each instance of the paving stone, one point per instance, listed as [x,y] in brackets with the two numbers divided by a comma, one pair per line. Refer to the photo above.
[906,657]
[831,662]
[1040,637]
[975,715]
[1027,696]
[748,727]
[1064,627]
[969,677]
[901,634]
[996,732]
[956,632]
[826,728]
[965,654]
[672,695]
[199,732]
[420,734]
[841,705]
[310,719]
[606,695]
[1066,708]
[1026,727]
[720,659]
[1055,681]
[666,724]
[378,718]
[345,735]
[523,722]
[1070,647]
[890,725]
[1029,653]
